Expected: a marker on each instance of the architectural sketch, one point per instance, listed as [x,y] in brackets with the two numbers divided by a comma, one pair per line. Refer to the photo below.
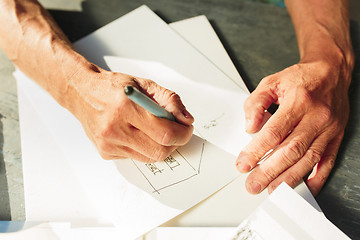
[173,170]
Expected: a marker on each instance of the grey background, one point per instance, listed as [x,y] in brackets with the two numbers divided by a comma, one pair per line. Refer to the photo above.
[260,40]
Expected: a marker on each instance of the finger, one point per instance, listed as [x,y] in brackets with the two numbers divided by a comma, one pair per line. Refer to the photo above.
[294,175]
[271,135]
[139,142]
[256,105]
[162,131]
[298,146]
[175,106]
[168,100]
[123,152]
[321,172]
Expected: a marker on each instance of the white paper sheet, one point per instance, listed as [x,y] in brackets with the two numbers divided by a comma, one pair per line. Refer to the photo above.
[285,215]
[64,231]
[111,199]
[142,35]
[200,34]
[190,233]
[218,118]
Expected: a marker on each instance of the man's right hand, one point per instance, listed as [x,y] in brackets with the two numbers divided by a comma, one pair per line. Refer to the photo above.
[118,127]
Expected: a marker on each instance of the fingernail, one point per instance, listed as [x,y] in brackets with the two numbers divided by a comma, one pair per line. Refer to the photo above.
[243,167]
[187,114]
[241,163]
[254,187]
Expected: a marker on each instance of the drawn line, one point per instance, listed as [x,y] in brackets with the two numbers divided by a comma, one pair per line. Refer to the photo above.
[145,177]
[213,123]
[157,190]
[186,160]
[202,152]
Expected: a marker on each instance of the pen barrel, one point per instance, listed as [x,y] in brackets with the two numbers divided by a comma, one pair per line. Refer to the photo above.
[147,103]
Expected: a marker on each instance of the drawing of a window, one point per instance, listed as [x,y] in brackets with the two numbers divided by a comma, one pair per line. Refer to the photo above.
[171,162]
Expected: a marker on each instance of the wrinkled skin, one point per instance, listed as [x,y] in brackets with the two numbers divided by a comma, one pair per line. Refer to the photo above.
[307,129]
[118,127]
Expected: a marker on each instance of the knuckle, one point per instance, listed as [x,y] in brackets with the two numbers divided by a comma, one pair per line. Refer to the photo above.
[103,147]
[324,115]
[251,154]
[270,173]
[265,79]
[173,96]
[167,137]
[254,158]
[106,132]
[293,179]
[106,148]
[160,154]
[142,82]
[321,179]
[305,98]
[169,95]
[309,163]
[289,116]
[294,151]
[314,156]
[338,125]
[258,108]
[272,137]
[175,100]
[330,163]
[269,79]
[311,158]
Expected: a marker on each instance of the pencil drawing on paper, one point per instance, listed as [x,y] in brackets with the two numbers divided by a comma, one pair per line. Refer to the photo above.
[171,162]
[153,168]
[213,123]
[175,169]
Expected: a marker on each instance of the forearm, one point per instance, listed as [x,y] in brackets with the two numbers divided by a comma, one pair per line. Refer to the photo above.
[118,127]
[34,42]
[312,99]
[322,29]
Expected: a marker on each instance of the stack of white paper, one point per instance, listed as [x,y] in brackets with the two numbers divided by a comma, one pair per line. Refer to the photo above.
[286,216]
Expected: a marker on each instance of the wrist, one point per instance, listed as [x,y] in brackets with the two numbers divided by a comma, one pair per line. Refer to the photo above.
[79,78]
[317,44]
[330,56]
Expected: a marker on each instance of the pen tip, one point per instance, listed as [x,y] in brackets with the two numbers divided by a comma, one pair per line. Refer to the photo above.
[128,90]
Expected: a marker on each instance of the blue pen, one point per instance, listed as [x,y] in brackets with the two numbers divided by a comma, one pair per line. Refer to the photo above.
[147,103]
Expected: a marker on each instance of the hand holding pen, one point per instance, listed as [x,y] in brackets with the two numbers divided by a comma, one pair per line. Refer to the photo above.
[135,126]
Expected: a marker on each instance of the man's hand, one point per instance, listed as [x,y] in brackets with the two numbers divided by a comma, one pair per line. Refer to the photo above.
[120,128]
[305,131]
